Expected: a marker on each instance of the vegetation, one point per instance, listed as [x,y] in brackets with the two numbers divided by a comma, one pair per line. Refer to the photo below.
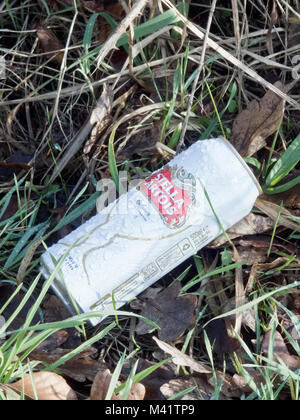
[169,72]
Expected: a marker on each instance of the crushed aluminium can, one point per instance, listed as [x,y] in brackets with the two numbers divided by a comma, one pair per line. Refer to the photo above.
[152,228]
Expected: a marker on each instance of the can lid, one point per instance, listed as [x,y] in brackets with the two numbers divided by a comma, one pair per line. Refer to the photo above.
[233,149]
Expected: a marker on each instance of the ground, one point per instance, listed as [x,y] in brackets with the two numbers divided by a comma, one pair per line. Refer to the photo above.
[93,89]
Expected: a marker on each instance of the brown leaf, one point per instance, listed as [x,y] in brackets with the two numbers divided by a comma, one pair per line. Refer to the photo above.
[280,350]
[182,359]
[54,309]
[48,386]
[172,313]
[252,255]
[202,389]
[272,210]
[55,340]
[144,142]
[249,225]
[101,384]
[50,44]
[248,316]
[80,368]
[117,12]
[257,122]
[218,336]
[155,379]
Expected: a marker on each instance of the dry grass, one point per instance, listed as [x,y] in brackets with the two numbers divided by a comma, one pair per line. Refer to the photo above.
[76,107]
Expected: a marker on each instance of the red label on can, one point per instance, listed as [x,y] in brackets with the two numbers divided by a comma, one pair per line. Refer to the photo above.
[169,195]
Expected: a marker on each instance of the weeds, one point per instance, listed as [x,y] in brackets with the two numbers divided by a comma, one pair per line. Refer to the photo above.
[168,77]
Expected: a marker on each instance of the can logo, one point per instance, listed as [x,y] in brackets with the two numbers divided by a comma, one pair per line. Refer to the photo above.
[172,192]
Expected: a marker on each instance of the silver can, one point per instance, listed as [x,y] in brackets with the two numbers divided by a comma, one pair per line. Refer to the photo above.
[152,228]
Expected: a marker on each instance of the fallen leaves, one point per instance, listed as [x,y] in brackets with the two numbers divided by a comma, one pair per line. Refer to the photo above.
[229,390]
[101,385]
[181,359]
[257,122]
[172,313]
[273,344]
[45,386]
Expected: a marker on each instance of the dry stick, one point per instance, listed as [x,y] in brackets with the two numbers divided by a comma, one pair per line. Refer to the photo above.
[112,40]
[195,84]
[240,293]
[233,60]
[237,34]
[291,8]
[102,109]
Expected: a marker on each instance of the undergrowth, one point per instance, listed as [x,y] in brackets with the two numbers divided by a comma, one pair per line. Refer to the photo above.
[169,89]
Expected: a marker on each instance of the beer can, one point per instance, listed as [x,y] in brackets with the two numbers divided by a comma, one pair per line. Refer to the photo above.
[151,229]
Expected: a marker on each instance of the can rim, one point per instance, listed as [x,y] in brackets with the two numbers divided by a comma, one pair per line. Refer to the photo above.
[233,149]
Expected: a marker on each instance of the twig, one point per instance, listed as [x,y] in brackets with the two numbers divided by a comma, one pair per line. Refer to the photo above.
[102,109]
[112,40]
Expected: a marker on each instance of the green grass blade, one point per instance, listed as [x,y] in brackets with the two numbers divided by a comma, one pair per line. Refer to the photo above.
[285,163]
[164,19]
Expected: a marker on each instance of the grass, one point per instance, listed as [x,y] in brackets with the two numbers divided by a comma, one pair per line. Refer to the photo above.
[164,73]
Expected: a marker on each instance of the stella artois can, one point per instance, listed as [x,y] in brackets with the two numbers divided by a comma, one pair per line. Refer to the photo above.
[155,226]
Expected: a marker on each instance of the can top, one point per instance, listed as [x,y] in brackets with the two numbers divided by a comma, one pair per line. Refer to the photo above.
[233,149]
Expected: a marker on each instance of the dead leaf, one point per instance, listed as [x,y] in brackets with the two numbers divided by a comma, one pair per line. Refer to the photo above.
[142,143]
[250,225]
[101,384]
[182,359]
[218,336]
[50,44]
[55,340]
[172,313]
[241,382]
[280,350]
[116,10]
[48,386]
[54,309]
[155,379]
[200,389]
[262,242]
[100,117]
[257,122]
[272,210]
[252,255]
[80,368]
[248,316]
